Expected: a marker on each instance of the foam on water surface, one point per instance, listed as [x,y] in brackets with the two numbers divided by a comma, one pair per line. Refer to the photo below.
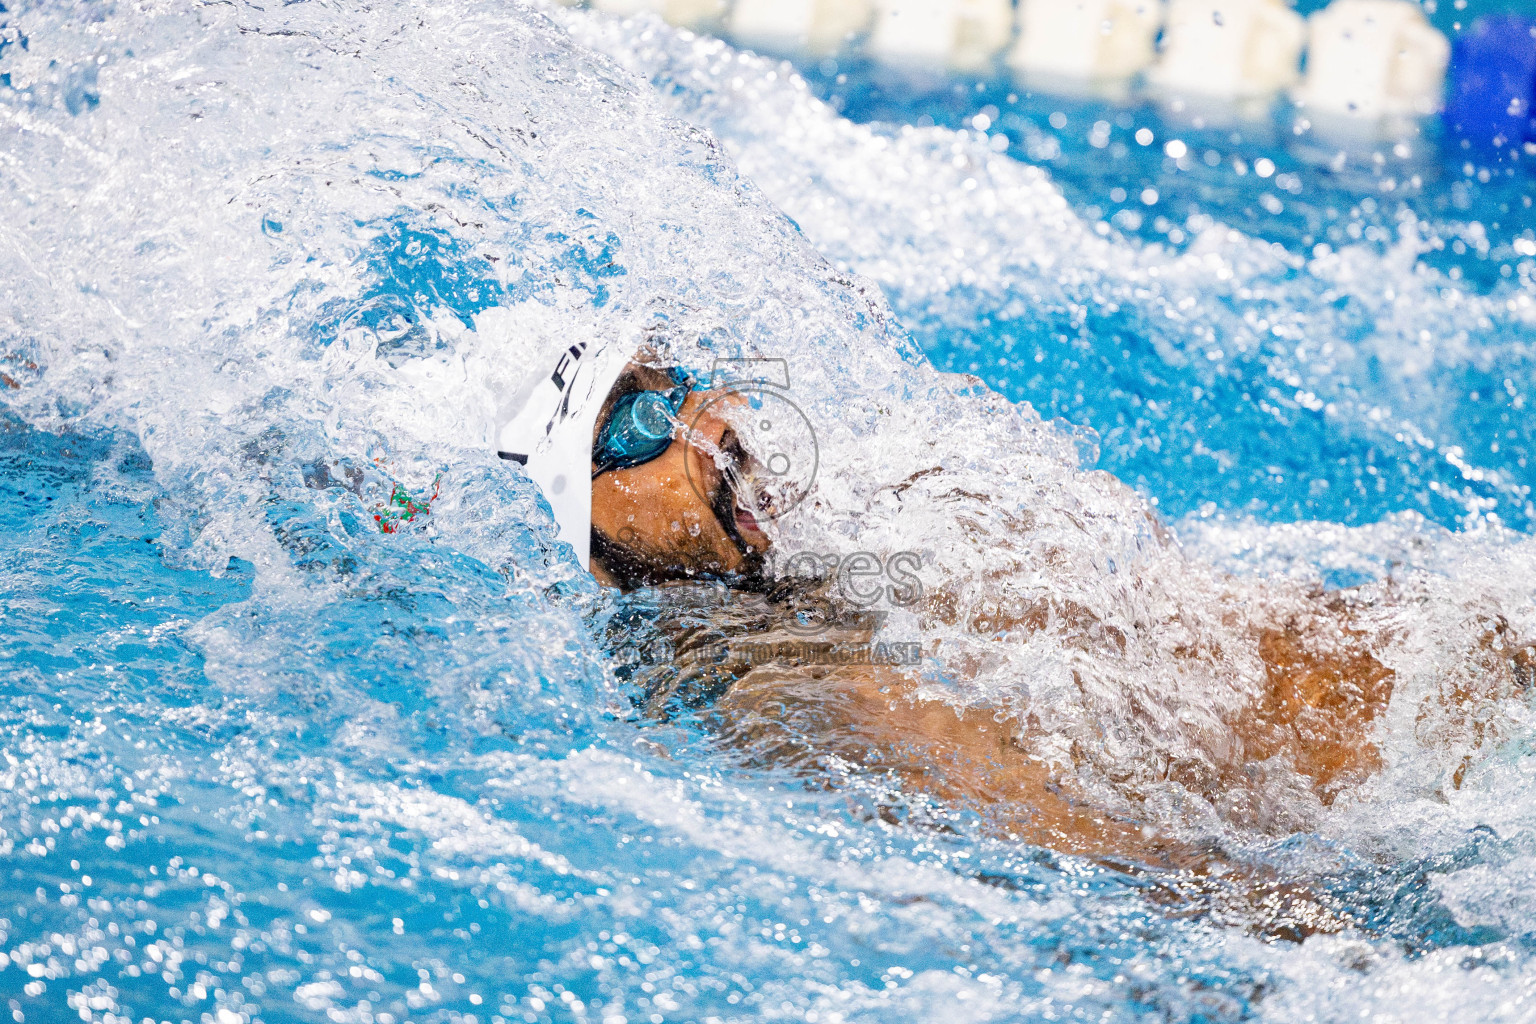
[272,266]
[1206,361]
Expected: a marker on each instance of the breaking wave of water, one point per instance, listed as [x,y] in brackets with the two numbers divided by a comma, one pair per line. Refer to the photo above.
[270,267]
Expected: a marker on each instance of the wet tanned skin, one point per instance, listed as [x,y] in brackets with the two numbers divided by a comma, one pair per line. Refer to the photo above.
[1324,690]
[651,522]
[870,717]
[871,720]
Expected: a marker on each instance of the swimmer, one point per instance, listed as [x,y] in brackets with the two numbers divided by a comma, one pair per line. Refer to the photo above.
[651,485]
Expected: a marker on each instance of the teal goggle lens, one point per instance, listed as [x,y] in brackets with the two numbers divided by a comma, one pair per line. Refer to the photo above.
[639,429]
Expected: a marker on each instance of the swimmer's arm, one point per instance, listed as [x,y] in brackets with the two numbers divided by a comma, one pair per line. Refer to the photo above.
[1326,685]
[1323,686]
[871,719]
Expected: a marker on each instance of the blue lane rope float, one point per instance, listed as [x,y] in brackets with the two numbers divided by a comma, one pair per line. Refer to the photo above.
[1493,83]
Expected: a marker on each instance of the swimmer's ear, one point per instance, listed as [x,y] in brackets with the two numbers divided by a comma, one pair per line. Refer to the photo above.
[614,565]
[599,568]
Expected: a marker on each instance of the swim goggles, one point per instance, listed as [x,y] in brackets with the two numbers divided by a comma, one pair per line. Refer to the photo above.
[640,426]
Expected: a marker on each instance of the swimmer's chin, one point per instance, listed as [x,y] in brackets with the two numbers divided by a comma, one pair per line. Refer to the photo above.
[619,567]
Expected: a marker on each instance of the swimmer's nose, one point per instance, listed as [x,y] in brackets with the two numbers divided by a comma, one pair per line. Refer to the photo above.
[743,476]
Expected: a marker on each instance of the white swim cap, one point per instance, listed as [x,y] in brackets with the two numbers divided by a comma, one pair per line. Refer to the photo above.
[547,428]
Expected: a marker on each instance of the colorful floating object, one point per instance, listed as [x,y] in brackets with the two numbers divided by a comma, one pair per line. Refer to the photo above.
[1086,39]
[402,509]
[1373,58]
[819,26]
[1493,82]
[963,34]
[1230,49]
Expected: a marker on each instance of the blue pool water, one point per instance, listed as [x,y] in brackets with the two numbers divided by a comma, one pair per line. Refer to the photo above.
[263,761]
[1246,442]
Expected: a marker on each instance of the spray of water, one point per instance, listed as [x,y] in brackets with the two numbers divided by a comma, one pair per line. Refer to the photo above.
[297,257]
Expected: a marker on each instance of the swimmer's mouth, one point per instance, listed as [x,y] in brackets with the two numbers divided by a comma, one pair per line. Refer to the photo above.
[730,506]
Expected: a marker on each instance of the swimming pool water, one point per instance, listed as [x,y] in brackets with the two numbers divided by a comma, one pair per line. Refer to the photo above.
[1253,440]
[265,762]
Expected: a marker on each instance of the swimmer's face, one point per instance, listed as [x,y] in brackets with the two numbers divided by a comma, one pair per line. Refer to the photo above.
[679,515]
